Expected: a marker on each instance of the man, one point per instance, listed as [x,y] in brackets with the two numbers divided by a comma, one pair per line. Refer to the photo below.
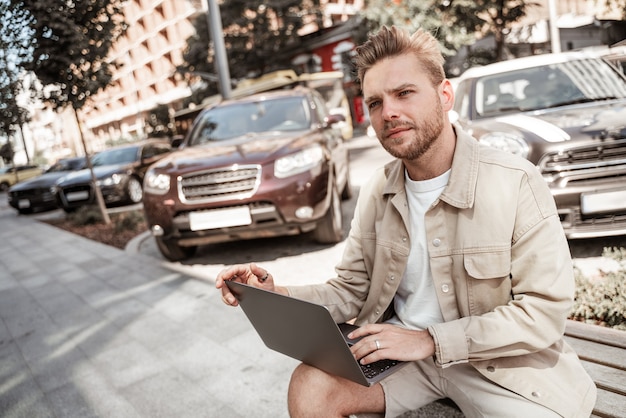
[456,262]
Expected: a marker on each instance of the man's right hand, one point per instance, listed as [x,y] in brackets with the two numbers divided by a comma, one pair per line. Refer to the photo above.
[249,274]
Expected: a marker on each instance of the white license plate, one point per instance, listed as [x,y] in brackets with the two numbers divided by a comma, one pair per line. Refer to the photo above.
[23,203]
[603,202]
[74,196]
[219,218]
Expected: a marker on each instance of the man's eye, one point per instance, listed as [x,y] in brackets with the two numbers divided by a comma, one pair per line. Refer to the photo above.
[372,105]
[404,92]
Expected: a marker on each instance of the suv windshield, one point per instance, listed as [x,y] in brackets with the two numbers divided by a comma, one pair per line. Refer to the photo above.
[225,122]
[548,86]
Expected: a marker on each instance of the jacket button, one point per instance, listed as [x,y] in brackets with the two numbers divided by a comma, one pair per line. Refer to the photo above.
[536,394]
[436,242]
[491,369]
[445,288]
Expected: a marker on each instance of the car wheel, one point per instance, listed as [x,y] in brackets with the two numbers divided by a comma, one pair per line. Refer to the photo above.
[330,228]
[134,190]
[4,186]
[172,251]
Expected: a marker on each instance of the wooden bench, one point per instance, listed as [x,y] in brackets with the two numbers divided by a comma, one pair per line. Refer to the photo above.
[603,354]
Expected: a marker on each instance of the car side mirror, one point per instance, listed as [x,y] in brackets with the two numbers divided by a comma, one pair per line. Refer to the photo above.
[177,141]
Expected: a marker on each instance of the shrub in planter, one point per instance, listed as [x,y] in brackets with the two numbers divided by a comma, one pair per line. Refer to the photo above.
[602,300]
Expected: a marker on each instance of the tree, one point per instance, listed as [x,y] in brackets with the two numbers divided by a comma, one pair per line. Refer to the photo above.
[487,17]
[159,123]
[259,38]
[15,43]
[70,55]
[454,22]
[413,14]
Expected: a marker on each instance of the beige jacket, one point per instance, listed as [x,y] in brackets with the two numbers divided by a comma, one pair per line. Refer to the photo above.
[500,263]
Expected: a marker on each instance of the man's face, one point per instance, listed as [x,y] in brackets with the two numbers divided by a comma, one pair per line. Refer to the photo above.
[406,110]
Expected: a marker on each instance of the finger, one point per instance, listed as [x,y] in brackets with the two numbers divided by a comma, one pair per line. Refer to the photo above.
[260,273]
[365,330]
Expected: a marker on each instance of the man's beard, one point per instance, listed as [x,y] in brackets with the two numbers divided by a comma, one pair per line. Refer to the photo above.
[424,135]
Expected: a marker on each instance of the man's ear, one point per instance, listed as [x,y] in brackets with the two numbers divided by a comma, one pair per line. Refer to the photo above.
[446,94]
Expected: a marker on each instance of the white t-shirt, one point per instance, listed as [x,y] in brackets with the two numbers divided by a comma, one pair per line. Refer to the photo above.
[415,302]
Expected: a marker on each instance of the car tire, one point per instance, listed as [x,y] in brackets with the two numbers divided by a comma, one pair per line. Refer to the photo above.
[330,228]
[134,190]
[4,186]
[172,251]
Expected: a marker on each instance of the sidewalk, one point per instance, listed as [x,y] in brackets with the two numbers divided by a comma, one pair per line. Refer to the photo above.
[88,330]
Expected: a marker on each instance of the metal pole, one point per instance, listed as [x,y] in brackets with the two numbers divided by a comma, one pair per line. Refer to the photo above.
[555,37]
[221,60]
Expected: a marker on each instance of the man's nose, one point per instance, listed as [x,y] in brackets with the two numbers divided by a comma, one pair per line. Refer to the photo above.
[391,110]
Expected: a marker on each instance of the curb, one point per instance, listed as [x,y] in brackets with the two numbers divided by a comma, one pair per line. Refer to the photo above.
[134,244]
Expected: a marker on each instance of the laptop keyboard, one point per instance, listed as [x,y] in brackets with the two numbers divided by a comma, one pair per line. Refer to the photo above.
[373,369]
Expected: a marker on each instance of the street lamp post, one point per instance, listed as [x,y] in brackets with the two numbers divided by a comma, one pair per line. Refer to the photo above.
[221,61]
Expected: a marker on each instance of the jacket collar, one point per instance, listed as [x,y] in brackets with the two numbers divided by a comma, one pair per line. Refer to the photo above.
[463,177]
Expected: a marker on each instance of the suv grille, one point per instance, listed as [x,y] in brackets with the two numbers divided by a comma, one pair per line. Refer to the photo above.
[236,182]
[602,154]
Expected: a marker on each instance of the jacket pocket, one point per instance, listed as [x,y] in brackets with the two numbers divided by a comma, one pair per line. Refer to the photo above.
[488,276]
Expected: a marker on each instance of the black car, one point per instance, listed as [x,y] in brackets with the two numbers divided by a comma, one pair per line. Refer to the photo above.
[38,194]
[566,113]
[119,173]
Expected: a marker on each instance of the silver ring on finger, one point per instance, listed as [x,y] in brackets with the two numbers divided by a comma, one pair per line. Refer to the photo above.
[377,344]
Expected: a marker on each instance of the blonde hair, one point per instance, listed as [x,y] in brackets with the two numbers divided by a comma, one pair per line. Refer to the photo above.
[391,42]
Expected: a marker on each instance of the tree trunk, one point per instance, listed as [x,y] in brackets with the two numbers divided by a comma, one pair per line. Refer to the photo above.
[96,188]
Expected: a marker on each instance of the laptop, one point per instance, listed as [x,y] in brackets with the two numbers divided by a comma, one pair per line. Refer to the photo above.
[307,332]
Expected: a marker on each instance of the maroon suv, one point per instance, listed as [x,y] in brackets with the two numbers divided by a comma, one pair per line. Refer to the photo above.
[266,165]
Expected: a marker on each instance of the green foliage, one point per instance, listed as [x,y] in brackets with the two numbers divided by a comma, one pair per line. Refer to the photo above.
[455,22]
[129,220]
[414,14]
[85,215]
[15,43]
[158,122]
[603,300]
[72,42]
[253,45]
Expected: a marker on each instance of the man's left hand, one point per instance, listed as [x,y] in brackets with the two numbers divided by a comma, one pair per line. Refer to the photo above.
[386,341]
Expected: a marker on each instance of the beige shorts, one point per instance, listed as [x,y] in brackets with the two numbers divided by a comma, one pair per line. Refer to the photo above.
[420,383]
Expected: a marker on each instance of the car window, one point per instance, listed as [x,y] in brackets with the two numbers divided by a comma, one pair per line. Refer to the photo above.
[152,150]
[225,122]
[547,86]
[115,156]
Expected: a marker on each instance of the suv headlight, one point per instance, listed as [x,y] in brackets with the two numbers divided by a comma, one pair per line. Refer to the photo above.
[504,141]
[156,183]
[298,162]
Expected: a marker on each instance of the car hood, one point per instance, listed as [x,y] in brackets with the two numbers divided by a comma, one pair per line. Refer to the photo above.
[84,175]
[248,149]
[42,181]
[582,121]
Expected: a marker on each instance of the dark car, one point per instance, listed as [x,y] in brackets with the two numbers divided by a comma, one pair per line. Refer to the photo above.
[119,173]
[39,193]
[267,165]
[566,113]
